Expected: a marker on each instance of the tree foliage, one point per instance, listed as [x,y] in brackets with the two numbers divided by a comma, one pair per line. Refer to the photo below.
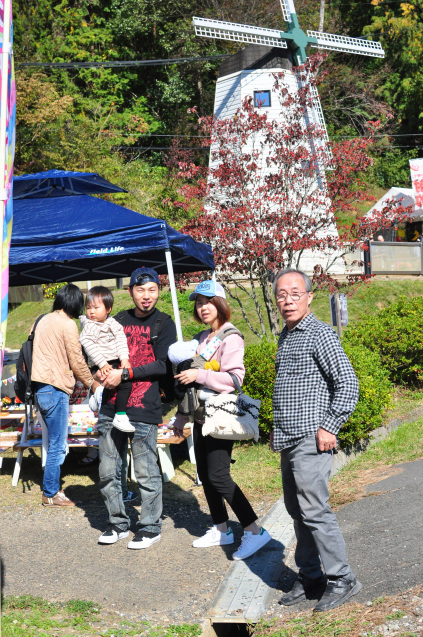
[102,119]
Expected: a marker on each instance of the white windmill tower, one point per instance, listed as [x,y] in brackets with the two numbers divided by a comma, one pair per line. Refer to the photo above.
[249,73]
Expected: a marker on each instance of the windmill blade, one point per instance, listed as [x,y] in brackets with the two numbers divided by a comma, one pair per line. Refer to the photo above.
[238,32]
[288,9]
[318,116]
[346,44]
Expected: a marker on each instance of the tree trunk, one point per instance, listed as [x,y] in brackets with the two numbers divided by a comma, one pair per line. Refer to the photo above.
[236,298]
[270,307]
[321,15]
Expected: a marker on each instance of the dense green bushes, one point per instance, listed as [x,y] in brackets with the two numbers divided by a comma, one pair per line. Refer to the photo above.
[259,379]
[375,388]
[375,394]
[396,334]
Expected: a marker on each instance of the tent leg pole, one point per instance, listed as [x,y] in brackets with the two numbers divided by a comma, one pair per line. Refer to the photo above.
[173,294]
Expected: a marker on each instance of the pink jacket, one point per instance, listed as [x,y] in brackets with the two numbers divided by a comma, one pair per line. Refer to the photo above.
[230,356]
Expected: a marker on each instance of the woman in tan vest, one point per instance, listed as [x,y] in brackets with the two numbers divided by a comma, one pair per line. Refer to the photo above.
[57,358]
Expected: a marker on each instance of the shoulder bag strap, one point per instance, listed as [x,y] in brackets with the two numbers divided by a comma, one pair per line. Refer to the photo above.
[236,383]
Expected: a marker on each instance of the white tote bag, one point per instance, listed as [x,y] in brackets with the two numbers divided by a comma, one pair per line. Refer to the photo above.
[232,416]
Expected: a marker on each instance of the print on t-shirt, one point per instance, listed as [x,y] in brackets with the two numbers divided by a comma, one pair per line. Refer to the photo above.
[140,353]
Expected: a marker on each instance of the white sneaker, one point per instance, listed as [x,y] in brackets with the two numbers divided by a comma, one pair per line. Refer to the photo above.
[214,537]
[250,544]
[96,398]
[111,535]
[144,539]
[121,421]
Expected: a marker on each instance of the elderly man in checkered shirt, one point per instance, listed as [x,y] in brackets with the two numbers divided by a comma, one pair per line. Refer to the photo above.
[316,391]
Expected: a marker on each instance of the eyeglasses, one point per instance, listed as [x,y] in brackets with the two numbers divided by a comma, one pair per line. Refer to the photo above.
[295,296]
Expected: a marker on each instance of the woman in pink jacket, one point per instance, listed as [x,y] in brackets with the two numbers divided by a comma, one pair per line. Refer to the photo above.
[213,455]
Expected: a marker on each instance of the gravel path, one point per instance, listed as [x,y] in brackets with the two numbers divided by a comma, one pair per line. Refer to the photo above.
[54,553]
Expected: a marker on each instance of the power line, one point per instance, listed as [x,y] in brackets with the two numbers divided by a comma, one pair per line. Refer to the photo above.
[159,148]
[379,136]
[338,136]
[207,148]
[114,64]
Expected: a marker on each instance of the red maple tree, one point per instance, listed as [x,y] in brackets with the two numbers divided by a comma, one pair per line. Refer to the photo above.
[271,194]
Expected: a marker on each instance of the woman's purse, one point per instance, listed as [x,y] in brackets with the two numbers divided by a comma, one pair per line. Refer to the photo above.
[232,416]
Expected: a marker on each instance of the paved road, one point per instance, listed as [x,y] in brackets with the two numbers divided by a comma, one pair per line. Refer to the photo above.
[384,537]
[384,533]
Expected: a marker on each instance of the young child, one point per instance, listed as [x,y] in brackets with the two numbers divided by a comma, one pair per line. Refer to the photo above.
[106,347]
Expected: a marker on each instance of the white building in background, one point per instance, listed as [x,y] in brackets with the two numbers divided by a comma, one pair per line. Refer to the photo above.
[249,74]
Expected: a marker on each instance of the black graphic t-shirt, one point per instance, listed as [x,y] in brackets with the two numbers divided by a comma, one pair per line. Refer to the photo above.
[144,404]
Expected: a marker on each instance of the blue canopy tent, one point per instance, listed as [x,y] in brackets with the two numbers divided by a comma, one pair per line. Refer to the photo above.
[80,238]
[61,183]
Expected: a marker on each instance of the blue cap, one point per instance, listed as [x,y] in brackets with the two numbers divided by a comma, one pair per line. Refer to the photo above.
[208,288]
[143,275]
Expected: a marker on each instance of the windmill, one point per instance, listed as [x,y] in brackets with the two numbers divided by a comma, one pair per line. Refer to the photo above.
[249,73]
[294,39]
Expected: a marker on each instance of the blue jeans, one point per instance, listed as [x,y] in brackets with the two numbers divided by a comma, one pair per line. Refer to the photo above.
[54,408]
[112,447]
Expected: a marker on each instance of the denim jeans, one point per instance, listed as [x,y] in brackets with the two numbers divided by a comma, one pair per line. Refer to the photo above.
[305,476]
[112,447]
[54,408]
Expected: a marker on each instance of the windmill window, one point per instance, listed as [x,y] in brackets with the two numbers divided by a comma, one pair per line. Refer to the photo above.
[262,99]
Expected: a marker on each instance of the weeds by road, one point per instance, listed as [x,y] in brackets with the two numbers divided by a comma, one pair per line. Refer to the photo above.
[397,616]
[32,616]
[377,463]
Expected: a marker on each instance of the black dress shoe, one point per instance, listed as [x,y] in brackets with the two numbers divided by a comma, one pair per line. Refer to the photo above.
[337,592]
[304,588]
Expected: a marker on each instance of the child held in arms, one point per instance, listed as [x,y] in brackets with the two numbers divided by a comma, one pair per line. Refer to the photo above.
[106,347]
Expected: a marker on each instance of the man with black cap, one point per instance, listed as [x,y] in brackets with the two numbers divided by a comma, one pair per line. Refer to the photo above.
[149,334]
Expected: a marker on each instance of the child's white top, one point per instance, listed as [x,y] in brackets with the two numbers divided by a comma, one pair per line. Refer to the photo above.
[103,342]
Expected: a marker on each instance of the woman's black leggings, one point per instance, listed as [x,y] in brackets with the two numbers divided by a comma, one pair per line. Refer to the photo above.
[213,457]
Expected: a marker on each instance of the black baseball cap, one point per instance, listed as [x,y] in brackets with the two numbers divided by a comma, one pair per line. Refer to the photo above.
[143,275]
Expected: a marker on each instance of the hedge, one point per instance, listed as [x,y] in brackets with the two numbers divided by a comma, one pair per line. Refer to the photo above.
[396,335]
[375,388]
[375,394]
[259,379]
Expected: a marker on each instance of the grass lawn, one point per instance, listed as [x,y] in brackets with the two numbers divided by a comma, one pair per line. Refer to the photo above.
[28,616]
[369,298]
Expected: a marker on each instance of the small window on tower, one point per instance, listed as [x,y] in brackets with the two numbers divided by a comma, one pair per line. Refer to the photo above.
[261,98]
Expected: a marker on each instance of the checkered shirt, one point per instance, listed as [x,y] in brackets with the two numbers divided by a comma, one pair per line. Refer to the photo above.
[315,385]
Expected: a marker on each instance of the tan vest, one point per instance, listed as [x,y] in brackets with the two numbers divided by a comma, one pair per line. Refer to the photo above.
[57,355]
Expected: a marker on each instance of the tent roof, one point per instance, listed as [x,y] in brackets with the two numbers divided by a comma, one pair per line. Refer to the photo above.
[404,195]
[61,183]
[77,238]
